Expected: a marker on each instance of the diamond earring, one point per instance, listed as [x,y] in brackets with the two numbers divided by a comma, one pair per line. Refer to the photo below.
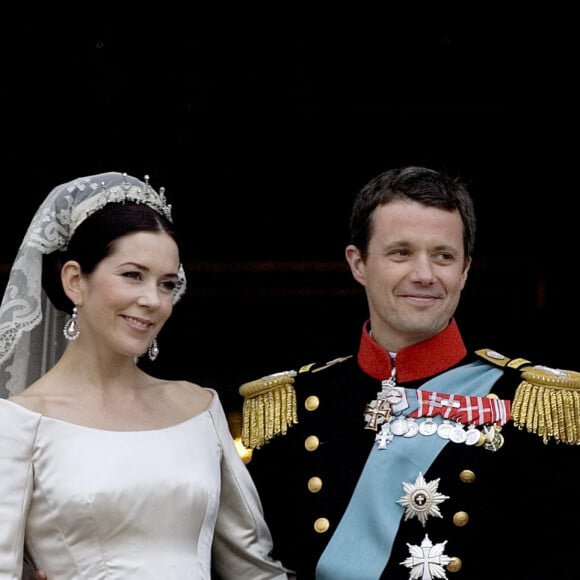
[71,328]
[153,350]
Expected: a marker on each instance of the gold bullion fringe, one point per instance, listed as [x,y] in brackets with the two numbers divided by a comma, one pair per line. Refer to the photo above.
[549,408]
[269,409]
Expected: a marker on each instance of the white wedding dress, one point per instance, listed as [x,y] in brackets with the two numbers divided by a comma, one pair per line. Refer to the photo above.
[160,504]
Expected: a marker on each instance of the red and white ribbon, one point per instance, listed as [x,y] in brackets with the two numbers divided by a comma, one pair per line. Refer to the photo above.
[464,409]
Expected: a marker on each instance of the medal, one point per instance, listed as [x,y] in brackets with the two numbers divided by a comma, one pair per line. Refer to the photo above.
[413,428]
[427,560]
[390,399]
[444,429]
[472,435]
[475,421]
[428,427]
[457,434]
[421,499]
[493,439]
[376,413]
[384,437]
[399,425]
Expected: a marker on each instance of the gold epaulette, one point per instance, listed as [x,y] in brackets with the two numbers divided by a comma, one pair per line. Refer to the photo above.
[270,404]
[546,402]
[269,408]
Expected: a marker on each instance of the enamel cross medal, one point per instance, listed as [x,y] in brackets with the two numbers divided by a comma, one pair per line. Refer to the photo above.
[379,412]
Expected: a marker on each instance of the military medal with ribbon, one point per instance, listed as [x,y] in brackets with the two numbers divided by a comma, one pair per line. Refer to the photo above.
[390,399]
[465,419]
[488,413]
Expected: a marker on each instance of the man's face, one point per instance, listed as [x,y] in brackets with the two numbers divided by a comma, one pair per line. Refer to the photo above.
[414,272]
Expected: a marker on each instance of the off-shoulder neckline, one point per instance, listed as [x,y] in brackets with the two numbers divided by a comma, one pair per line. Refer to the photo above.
[64,422]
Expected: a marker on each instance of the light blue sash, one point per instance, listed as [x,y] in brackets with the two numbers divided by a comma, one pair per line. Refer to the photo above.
[361,545]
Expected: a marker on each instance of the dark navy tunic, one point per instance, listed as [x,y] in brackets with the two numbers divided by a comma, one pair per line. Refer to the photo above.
[509,513]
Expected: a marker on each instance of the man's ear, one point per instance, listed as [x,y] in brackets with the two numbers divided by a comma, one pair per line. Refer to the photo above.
[356,263]
[71,276]
[465,272]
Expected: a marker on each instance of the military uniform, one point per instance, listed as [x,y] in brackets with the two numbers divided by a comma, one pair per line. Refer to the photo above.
[454,464]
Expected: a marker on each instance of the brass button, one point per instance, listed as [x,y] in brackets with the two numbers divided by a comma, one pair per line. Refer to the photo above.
[467,476]
[321,525]
[492,396]
[455,564]
[312,403]
[460,519]
[314,484]
[311,443]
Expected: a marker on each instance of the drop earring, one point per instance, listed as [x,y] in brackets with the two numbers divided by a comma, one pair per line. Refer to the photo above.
[71,328]
[153,350]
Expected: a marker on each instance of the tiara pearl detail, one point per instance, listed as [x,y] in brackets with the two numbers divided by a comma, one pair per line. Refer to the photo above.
[71,328]
[153,350]
[125,192]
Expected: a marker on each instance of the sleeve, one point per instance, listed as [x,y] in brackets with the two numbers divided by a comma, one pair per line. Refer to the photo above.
[242,541]
[17,431]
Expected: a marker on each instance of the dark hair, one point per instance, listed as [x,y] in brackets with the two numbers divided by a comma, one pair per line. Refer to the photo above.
[420,184]
[94,240]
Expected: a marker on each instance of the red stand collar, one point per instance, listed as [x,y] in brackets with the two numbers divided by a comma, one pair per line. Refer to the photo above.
[414,362]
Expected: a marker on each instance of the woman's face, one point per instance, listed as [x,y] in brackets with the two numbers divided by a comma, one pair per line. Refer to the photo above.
[129,296]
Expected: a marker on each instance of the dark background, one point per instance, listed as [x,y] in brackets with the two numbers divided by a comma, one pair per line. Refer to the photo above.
[262,124]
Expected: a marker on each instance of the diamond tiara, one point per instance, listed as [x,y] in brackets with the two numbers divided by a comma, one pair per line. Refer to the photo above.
[125,192]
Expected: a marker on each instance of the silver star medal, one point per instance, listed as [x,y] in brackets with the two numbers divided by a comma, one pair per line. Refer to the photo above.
[427,560]
[421,499]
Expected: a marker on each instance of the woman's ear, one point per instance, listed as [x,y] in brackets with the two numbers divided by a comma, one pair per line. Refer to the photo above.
[71,276]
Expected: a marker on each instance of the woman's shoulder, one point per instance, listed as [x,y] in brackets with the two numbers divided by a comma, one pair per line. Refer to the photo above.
[27,399]
[17,421]
[188,388]
[40,397]
[188,395]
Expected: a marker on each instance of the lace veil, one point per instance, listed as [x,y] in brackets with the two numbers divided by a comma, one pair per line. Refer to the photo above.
[31,336]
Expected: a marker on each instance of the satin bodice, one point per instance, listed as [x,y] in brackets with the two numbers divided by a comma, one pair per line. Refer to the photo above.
[94,504]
